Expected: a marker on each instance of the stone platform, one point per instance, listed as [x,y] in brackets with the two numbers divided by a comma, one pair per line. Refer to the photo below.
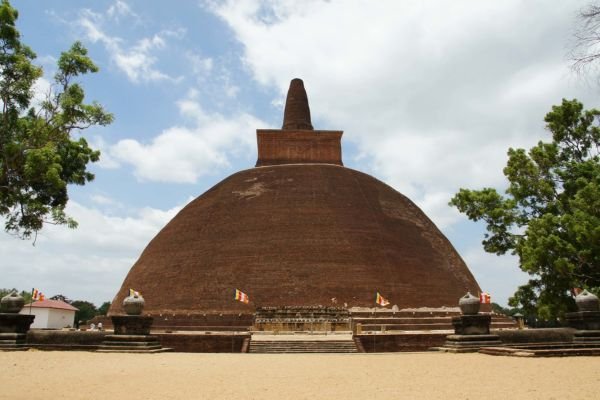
[431,320]
[469,343]
[131,344]
[13,341]
[584,320]
[587,337]
[13,330]
[132,335]
[302,343]
[302,318]
[544,350]
[131,324]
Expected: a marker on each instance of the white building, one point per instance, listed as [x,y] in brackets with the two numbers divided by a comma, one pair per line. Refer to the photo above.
[51,314]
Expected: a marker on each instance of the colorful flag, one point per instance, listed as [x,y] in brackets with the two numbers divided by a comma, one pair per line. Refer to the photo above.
[241,296]
[36,294]
[133,293]
[485,298]
[379,299]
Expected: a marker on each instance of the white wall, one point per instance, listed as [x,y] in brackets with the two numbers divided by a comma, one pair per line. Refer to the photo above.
[41,316]
[60,318]
[50,318]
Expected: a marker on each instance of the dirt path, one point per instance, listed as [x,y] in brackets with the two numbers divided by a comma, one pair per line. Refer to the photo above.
[85,375]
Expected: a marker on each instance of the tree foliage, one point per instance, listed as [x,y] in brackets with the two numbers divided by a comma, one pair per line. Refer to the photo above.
[550,214]
[25,294]
[86,312]
[103,309]
[61,297]
[40,148]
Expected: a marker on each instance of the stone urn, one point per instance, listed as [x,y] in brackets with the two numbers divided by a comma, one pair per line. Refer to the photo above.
[134,305]
[585,301]
[469,304]
[12,304]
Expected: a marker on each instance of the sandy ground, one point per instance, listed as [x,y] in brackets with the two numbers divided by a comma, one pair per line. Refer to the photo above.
[85,375]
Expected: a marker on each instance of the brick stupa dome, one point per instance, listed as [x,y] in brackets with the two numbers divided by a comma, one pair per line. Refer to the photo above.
[297,230]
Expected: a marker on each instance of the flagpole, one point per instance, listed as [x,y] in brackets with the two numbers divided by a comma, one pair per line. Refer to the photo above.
[31,301]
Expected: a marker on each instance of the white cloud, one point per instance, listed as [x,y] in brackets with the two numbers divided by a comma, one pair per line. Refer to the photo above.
[103,200]
[214,78]
[137,61]
[41,91]
[183,154]
[120,9]
[201,66]
[106,160]
[431,93]
[87,263]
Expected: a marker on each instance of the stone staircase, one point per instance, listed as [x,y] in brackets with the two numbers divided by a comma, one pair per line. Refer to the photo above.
[13,341]
[302,344]
[434,320]
[131,344]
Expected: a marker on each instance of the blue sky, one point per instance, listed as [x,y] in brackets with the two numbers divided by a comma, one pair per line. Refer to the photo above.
[430,96]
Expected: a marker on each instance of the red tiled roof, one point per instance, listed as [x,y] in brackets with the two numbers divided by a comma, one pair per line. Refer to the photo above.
[52,304]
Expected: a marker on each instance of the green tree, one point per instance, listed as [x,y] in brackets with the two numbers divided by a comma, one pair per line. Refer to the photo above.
[550,214]
[86,311]
[24,293]
[40,148]
[103,309]
[61,297]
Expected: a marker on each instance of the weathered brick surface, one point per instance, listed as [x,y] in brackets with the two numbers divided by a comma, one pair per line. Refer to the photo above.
[539,335]
[297,235]
[374,343]
[296,114]
[202,343]
[297,231]
[297,147]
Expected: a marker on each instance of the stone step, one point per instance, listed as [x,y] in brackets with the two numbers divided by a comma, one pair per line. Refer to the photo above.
[141,351]
[286,351]
[301,342]
[298,350]
[109,347]
[8,341]
[288,345]
[131,338]
[407,327]
[302,346]
[421,321]
[13,336]
[135,344]
[131,344]
[13,348]
[302,351]
[307,347]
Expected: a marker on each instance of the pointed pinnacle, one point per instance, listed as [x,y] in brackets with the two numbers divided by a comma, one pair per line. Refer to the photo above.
[297,111]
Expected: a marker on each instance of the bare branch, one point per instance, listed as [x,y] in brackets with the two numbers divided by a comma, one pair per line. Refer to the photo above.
[586,49]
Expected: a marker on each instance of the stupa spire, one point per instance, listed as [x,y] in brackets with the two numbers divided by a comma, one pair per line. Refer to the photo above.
[297,142]
[297,111]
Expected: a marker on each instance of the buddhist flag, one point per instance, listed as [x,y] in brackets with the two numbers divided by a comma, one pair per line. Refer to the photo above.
[133,293]
[241,296]
[485,298]
[36,294]
[379,299]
